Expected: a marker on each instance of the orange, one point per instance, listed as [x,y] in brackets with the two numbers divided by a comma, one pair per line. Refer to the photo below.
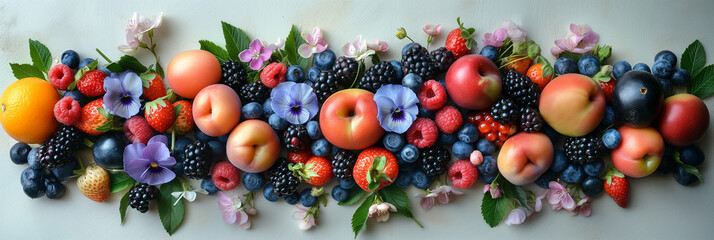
[26,110]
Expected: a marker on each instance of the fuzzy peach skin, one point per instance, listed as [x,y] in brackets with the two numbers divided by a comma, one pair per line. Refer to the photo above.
[524,157]
[348,119]
[473,82]
[572,104]
[216,110]
[684,119]
[253,146]
[192,70]
[639,153]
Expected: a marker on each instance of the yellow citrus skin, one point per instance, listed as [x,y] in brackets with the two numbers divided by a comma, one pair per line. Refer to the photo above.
[26,110]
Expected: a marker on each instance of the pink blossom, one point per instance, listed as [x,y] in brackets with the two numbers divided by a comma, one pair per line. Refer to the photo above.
[234,211]
[305,220]
[274,46]
[583,207]
[378,46]
[314,43]
[135,31]
[538,200]
[256,54]
[380,211]
[496,38]
[357,49]
[441,194]
[495,191]
[514,33]
[517,216]
[432,30]
[581,40]
[559,198]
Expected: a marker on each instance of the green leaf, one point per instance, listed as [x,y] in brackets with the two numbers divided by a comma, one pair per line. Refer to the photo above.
[373,185]
[253,76]
[85,69]
[41,57]
[220,53]
[574,56]
[171,215]
[511,191]
[493,210]
[177,110]
[120,181]
[26,70]
[397,197]
[123,204]
[236,40]
[105,128]
[131,63]
[694,58]
[292,42]
[359,218]
[688,168]
[702,85]
[379,163]
[104,112]
[355,194]
[146,78]
[72,85]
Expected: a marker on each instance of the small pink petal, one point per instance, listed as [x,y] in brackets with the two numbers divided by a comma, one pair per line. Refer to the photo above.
[438,29]
[443,198]
[427,203]
[304,50]
[256,45]
[265,54]
[500,34]
[319,48]
[246,55]
[567,202]
[229,216]
[517,216]
[564,45]
[255,64]
[555,51]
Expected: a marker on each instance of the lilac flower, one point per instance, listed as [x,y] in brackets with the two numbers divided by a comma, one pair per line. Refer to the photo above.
[496,38]
[514,33]
[441,194]
[314,43]
[234,210]
[538,205]
[379,46]
[274,46]
[559,198]
[397,107]
[305,219]
[138,26]
[380,211]
[432,30]
[123,92]
[581,40]
[294,102]
[494,189]
[150,163]
[357,49]
[256,54]
[517,216]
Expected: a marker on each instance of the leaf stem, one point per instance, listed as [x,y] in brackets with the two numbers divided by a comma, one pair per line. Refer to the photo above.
[103,56]
[359,68]
[410,39]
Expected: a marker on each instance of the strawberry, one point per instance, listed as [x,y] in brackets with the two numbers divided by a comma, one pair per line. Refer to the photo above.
[300,157]
[94,183]
[519,63]
[540,74]
[617,186]
[184,119]
[160,114]
[459,40]
[155,87]
[375,168]
[316,171]
[607,88]
[91,84]
[93,117]
[606,81]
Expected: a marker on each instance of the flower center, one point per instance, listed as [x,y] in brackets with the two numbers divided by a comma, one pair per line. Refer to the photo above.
[256,54]
[125,99]
[398,114]
[296,109]
[153,165]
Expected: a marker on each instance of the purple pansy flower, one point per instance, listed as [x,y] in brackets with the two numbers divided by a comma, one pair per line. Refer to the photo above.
[397,107]
[123,92]
[256,54]
[294,102]
[150,163]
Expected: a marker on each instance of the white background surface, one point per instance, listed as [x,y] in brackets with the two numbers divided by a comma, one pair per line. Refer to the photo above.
[660,208]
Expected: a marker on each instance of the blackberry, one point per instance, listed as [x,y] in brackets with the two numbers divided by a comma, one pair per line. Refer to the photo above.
[417,60]
[582,150]
[443,58]
[284,181]
[381,74]
[254,92]
[295,138]
[505,111]
[521,89]
[140,196]
[342,164]
[197,160]
[433,160]
[531,121]
[233,75]
[346,69]
[325,85]
[58,150]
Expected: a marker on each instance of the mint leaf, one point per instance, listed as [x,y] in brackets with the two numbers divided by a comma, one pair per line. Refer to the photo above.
[397,197]
[146,79]
[292,42]
[694,58]
[171,215]
[123,204]
[702,85]
[120,181]
[493,210]
[41,57]
[236,40]
[131,63]
[26,70]
[355,194]
[220,53]
[359,218]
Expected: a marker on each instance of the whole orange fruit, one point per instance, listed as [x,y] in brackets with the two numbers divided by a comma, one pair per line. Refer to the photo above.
[26,110]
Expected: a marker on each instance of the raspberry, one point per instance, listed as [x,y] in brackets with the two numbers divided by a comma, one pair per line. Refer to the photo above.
[137,129]
[432,95]
[61,76]
[225,176]
[67,111]
[462,174]
[273,74]
[301,156]
[423,133]
[448,119]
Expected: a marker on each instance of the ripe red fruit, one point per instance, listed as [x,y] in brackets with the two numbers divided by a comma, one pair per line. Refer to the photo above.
[617,186]
[67,111]
[61,76]
[160,114]
[540,74]
[423,133]
[184,120]
[91,118]
[432,95]
[156,88]
[462,174]
[225,176]
[459,40]
[607,88]
[448,119]
[381,165]
[92,83]
[137,129]
[520,64]
[300,157]
[273,74]
[317,171]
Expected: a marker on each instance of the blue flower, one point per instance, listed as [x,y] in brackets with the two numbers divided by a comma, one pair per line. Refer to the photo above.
[150,163]
[397,107]
[294,102]
[123,92]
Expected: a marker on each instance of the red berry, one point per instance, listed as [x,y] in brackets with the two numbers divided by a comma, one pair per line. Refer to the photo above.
[92,83]
[300,157]
[321,170]
[423,133]
[432,95]
[456,44]
[67,111]
[462,174]
[155,90]
[137,129]
[365,164]
[448,119]
[273,74]
[61,76]
[225,176]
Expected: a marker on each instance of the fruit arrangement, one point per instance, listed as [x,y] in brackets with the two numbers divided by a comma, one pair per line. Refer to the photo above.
[285,119]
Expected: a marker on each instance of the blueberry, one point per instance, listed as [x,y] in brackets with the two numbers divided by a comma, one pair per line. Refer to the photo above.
[409,45]
[611,138]
[325,59]
[398,68]
[487,179]
[680,77]
[64,172]
[667,56]
[277,123]
[77,96]
[295,74]
[403,179]
[572,174]
[595,169]
[321,147]
[485,147]
[309,83]
[334,150]
[269,193]
[544,180]
[178,168]
[306,198]
[642,67]
[224,138]
[425,113]
[408,167]
[108,151]
[53,188]
[409,153]
[488,167]
[32,159]
[691,155]
[421,180]
[85,62]
[666,86]
[179,147]
[683,177]
[588,65]
[560,161]
[200,136]
[592,186]
[292,199]
[18,153]
[346,184]
[105,70]
[340,194]
[413,82]
[555,135]
[70,58]
[620,68]
[393,142]
[462,150]
[33,182]
[447,139]
[667,164]
[313,129]
[253,181]
[565,65]
[662,69]
[252,110]
[268,107]
[490,52]
[313,73]
[208,185]
[218,150]
[468,133]
[30,174]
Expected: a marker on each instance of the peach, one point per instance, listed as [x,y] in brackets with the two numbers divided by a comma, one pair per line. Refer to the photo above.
[473,82]
[684,119]
[524,157]
[216,110]
[348,119]
[640,151]
[253,146]
[573,104]
[190,71]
